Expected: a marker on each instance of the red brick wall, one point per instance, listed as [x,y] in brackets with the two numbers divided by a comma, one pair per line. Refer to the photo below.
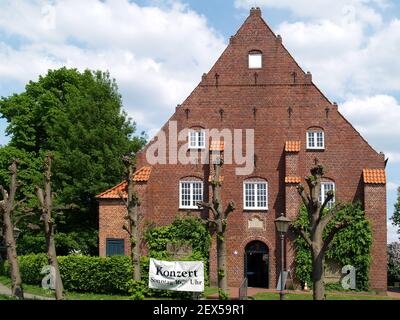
[111,220]
[375,209]
[344,157]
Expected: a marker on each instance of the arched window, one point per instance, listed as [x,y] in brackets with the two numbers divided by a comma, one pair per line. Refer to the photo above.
[255,194]
[327,186]
[315,138]
[255,59]
[190,192]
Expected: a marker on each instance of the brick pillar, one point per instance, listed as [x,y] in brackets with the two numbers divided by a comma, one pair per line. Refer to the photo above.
[292,201]
[375,210]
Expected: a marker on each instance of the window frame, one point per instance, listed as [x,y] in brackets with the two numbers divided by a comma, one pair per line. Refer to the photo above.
[322,193]
[199,133]
[315,139]
[256,201]
[191,193]
[114,241]
[255,53]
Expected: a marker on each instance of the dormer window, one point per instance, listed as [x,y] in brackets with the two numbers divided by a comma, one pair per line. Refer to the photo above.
[315,139]
[197,139]
[255,59]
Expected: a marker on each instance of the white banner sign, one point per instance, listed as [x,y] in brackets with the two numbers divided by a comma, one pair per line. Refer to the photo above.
[176,275]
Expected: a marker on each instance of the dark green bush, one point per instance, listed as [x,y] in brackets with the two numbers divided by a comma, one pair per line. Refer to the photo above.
[96,274]
[82,273]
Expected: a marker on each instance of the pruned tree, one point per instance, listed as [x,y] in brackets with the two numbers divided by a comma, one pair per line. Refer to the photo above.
[45,198]
[219,221]
[319,216]
[7,207]
[133,217]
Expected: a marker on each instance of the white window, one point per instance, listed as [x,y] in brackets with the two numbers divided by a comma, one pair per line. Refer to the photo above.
[197,139]
[315,140]
[325,188]
[190,192]
[255,195]
[255,60]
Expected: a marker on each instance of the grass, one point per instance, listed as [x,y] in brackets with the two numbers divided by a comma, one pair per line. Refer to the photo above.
[3,297]
[300,296]
[36,290]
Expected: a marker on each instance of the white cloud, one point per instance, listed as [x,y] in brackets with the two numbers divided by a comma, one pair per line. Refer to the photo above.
[377,118]
[347,44]
[156,55]
[324,9]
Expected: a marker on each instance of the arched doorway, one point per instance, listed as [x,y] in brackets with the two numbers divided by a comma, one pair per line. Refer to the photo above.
[256,264]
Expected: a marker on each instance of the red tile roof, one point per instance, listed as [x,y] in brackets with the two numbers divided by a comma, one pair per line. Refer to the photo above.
[292,146]
[374,176]
[141,175]
[217,145]
[294,180]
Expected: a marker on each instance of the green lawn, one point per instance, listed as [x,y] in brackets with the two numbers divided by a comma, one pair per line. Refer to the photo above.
[36,290]
[275,296]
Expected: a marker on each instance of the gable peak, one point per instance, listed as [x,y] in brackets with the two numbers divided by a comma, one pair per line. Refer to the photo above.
[255,11]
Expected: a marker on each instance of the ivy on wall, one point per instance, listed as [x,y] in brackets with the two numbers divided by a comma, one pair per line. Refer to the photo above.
[185,229]
[351,246]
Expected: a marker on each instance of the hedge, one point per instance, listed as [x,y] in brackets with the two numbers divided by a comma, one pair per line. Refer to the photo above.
[81,273]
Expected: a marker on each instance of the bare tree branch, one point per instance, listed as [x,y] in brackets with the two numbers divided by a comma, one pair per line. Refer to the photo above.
[4,193]
[324,221]
[301,232]
[206,205]
[123,198]
[229,209]
[303,195]
[339,226]
[329,197]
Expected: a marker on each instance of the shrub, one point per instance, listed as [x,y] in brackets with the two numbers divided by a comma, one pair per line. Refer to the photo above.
[393,256]
[81,273]
[96,274]
[351,246]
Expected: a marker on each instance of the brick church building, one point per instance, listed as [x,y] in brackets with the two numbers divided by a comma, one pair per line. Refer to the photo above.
[256,84]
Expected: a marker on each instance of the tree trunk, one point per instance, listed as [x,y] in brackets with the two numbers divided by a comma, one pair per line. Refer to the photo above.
[16,282]
[7,207]
[135,247]
[221,265]
[132,204]
[318,274]
[52,261]
[46,203]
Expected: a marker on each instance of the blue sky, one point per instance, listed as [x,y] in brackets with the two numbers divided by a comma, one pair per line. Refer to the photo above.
[158,49]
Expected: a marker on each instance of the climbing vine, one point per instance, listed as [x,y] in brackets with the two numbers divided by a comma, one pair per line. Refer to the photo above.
[351,246]
[185,229]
